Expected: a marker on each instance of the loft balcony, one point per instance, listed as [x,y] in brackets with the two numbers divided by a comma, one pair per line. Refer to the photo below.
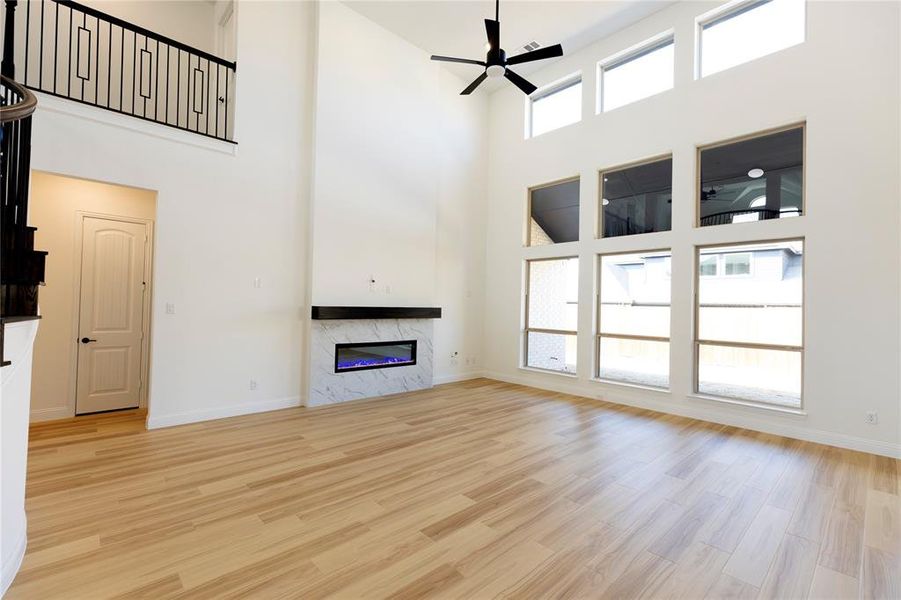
[79,53]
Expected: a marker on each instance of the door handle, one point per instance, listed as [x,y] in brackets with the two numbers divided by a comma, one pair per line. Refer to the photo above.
[86,340]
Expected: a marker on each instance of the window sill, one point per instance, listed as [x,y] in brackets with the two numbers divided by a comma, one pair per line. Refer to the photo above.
[634,386]
[549,372]
[796,412]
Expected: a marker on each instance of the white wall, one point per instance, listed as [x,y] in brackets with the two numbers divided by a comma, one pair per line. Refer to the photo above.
[225,215]
[399,182]
[844,81]
[191,22]
[53,207]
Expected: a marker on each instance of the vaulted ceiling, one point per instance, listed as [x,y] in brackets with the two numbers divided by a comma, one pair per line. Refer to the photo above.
[455,28]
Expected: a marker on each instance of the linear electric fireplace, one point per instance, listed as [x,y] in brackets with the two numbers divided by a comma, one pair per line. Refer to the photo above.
[374,355]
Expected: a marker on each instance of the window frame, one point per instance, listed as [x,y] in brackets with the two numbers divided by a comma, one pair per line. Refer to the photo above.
[599,222]
[549,90]
[524,363]
[643,48]
[723,13]
[802,125]
[527,234]
[599,335]
[697,342]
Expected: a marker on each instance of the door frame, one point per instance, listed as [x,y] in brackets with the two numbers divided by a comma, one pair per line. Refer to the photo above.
[146,312]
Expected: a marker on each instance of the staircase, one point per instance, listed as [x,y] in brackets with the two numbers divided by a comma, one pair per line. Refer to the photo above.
[21,266]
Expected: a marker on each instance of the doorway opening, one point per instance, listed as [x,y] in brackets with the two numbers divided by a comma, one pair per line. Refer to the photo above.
[92,351]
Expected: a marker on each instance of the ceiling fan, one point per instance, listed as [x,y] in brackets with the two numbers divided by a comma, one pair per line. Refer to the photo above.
[496,61]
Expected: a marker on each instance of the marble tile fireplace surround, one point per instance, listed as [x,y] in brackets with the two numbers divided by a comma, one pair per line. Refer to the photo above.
[383,350]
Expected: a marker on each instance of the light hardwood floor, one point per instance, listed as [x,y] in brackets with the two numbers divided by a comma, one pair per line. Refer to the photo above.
[472,490]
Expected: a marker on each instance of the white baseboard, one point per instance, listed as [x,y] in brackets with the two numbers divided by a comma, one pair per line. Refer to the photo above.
[455,377]
[51,414]
[12,562]
[195,416]
[647,401]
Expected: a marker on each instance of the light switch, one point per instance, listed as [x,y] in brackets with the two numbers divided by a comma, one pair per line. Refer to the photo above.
[170,308]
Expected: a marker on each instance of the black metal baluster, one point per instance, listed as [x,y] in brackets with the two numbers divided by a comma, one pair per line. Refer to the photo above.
[55,47]
[41,57]
[134,69]
[121,68]
[69,58]
[226,104]
[218,67]
[84,22]
[178,90]
[97,65]
[109,66]
[27,30]
[156,88]
[168,68]
[144,113]
[207,97]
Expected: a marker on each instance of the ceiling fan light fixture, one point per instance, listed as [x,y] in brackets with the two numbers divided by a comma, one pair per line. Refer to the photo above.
[495,71]
[755,173]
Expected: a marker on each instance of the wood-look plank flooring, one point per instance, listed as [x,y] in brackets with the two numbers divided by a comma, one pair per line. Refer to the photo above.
[472,490]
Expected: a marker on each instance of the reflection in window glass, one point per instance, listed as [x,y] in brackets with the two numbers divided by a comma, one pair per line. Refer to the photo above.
[552,314]
[556,108]
[554,213]
[637,199]
[707,266]
[634,318]
[753,180]
[750,31]
[737,264]
[643,74]
[750,322]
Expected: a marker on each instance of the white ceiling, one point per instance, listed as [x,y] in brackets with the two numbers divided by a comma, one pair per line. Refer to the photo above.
[456,27]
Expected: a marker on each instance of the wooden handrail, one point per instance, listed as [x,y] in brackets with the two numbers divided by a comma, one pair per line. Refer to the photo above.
[21,109]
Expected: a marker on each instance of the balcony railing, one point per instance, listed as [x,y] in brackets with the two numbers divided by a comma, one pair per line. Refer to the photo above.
[726,217]
[76,52]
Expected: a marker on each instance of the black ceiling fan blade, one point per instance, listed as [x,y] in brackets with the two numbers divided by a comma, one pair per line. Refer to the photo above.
[472,86]
[467,61]
[519,82]
[493,29]
[540,54]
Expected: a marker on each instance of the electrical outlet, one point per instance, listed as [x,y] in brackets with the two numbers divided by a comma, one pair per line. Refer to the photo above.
[872,418]
[253,384]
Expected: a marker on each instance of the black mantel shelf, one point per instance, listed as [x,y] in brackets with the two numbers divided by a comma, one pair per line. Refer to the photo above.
[375,312]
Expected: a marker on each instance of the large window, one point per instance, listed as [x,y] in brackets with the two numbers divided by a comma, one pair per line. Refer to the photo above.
[637,199]
[749,333]
[753,179]
[639,73]
[552,314]
[634,318]
[749,30]
[558,105]
[554,213]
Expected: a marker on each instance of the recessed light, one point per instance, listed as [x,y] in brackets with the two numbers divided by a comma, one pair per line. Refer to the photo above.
[755,173]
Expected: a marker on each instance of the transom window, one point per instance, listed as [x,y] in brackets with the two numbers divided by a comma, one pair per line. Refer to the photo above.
[637,73]
[752,179]
[555,107]
[554,213]
[637,199]
[748,30]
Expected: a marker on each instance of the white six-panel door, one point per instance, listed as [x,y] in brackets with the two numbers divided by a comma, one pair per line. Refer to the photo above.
[110,315]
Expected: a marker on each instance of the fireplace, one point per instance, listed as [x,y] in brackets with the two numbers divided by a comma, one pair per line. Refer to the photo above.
[374,355]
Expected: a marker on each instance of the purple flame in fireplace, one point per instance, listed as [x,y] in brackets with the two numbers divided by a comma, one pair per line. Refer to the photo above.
[374,355]
[367,362]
